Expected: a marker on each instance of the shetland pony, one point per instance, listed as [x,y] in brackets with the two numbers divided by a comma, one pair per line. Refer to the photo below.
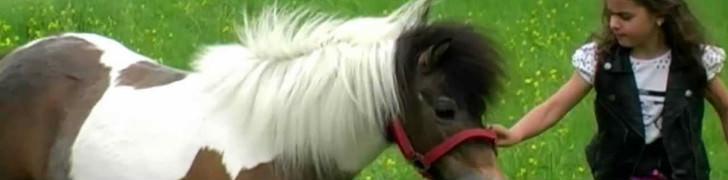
[303,95]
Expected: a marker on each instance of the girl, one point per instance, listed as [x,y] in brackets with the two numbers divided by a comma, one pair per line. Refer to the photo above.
[651,70]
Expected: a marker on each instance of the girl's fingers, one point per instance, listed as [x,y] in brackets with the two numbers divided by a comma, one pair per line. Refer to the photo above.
[500,130]
[505,139]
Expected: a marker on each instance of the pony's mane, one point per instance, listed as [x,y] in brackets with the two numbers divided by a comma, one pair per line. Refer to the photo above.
[305,86]
[284,33]
[281,33]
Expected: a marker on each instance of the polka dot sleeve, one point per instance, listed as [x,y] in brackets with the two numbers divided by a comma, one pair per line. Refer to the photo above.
[713,58]
[584,61]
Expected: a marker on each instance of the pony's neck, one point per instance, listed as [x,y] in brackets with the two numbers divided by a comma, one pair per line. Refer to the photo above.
[326,108]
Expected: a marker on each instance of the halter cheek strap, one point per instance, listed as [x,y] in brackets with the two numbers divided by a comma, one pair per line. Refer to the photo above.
[423,163]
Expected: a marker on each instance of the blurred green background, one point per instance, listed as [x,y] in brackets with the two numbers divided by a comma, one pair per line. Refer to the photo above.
[537,37]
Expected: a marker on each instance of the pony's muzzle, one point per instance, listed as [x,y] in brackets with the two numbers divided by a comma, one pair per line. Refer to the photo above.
[482,176]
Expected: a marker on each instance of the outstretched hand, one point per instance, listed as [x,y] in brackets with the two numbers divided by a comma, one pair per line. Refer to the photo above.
[505,137]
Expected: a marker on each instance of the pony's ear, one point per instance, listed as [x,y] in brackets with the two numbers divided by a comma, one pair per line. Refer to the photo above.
[432,55]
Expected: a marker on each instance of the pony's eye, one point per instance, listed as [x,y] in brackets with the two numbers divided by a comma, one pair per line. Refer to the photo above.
[445,108]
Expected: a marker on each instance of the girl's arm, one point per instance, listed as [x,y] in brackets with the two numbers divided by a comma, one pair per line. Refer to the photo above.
[718,97]
[546,114]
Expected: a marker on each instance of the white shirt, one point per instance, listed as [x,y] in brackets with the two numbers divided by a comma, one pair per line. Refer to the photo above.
[651,78]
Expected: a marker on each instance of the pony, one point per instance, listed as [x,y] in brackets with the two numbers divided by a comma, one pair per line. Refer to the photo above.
[302,95]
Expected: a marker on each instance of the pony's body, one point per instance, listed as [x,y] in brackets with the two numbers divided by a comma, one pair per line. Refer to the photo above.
[155,132]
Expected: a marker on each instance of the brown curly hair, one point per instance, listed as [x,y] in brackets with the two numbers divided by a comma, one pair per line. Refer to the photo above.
[684,34]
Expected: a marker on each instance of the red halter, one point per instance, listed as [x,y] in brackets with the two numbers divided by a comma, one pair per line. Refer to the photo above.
[424,162]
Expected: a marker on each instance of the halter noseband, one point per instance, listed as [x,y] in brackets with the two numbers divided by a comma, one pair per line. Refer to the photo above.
[423,162]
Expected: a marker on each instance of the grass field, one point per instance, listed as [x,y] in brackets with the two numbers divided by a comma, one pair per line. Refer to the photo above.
[537,37]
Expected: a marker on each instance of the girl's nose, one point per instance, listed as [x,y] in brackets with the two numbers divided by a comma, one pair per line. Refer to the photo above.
[614,24]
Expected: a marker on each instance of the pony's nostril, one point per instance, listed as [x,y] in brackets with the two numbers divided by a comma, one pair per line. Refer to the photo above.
[445,114]
[445,108]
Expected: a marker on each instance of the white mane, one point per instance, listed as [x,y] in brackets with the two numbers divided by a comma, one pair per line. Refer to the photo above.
[309,87]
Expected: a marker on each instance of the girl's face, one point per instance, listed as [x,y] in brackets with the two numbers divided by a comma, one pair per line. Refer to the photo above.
[632,24]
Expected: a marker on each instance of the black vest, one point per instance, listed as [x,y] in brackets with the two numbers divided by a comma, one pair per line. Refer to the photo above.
[619,143]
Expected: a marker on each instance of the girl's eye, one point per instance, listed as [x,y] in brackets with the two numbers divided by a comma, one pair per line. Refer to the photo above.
[625,16]
[622,16]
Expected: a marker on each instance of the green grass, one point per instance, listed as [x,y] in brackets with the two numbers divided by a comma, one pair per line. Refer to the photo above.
[537,37]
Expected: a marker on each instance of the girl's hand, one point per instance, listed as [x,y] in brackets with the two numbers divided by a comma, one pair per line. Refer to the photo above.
[506,138]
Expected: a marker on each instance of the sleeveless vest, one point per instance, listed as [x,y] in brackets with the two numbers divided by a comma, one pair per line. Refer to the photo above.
[619,143]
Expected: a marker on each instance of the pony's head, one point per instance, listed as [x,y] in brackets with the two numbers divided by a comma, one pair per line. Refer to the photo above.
[447,71]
